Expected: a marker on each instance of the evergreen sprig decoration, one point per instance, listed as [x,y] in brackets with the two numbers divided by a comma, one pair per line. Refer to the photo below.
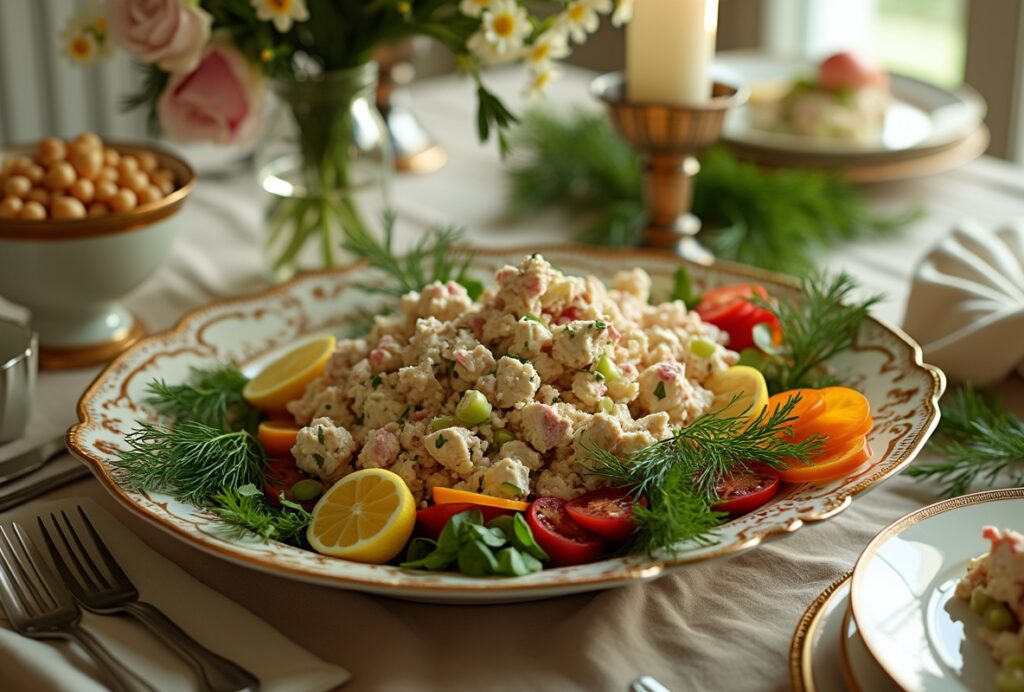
[982,443]
[777,220]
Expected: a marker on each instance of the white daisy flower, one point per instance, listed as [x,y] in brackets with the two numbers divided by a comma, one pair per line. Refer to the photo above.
[505,25]
[551,45]
[78,46]
[487,52]
[623,12]
[84,38]
[473,8]
[580,17]
[539,81]
[281,12]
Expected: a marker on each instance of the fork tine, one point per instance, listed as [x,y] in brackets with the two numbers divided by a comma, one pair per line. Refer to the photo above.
[108,559]
[85,575]
[22,588]
[73,582]
[35,561]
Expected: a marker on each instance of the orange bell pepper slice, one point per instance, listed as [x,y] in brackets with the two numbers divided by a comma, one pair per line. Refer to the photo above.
[277,436]
[443,496]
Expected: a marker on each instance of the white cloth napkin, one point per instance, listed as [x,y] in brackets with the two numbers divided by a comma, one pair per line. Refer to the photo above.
[966,305]
[213,620]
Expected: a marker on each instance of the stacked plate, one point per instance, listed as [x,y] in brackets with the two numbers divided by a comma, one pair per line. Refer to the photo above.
[894,622]
[927,129]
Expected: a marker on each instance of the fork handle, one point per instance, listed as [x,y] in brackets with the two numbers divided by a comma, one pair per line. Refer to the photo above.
[218,673]
[121,679]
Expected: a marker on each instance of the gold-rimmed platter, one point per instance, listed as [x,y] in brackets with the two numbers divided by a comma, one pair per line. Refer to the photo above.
[885,364]
[902,594]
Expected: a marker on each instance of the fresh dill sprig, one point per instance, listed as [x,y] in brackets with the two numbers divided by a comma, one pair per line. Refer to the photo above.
[679,475]
[244,510]
[676,514]
[821,323]
[191,460]
[436,257]
[980,440]
[211,396]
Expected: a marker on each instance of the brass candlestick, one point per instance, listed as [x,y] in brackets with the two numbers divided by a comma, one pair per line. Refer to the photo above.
[669,137]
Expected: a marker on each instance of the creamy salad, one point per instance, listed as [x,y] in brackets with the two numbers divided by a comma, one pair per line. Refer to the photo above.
[504,395]
[994,585]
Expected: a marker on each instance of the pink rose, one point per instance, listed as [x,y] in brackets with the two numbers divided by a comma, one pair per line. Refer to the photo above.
[221,101]
[170,33]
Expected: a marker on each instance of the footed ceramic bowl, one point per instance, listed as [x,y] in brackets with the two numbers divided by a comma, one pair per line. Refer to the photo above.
[71,273]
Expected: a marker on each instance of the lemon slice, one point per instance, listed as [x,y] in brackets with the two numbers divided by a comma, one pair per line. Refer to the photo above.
[744,384]
[286,378]
[367,516]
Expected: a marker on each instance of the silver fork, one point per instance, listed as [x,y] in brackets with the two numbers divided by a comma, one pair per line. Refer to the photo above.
[114,593]
[38,606]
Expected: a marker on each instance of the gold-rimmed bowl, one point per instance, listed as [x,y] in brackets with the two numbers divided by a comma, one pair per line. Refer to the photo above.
[72,273]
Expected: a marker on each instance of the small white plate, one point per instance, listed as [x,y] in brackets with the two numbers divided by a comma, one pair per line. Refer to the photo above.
[903,592]
[921,117]
[827,654]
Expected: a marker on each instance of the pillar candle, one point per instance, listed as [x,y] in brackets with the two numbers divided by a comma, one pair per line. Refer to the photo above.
[669,47]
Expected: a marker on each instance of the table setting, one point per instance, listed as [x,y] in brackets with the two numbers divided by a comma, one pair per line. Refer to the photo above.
[706,373]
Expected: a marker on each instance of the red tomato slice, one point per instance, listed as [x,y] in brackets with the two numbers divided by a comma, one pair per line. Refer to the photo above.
[730,309]
[565,541]
[829,465]
[746,489]
[279,476]
[722,302]
[608,512]
[430,521]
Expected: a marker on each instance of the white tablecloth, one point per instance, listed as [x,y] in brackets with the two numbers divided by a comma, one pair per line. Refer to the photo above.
[724,625]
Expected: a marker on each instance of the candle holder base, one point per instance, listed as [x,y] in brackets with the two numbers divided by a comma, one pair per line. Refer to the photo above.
[679,238]
[669,137]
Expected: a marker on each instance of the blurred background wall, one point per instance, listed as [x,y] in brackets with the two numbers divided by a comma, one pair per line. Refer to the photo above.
[948,42]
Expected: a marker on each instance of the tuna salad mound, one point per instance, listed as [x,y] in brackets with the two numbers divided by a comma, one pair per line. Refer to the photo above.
[504,395]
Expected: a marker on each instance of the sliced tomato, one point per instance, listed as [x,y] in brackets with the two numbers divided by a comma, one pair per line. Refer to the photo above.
[279,476]
[829,465]
[565,541]
[277,436]
[430,521]
[720,303]
[443,496]
[607,512]
[731,309]
[746,489]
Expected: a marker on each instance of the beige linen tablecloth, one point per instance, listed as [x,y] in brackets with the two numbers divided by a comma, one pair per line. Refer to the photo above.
[723,625]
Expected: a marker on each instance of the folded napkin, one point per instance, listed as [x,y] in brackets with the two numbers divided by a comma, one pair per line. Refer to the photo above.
[214,621]
[966,305]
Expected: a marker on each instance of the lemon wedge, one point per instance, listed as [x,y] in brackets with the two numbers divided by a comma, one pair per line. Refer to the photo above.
[744,384]
[286,378]
[367,516]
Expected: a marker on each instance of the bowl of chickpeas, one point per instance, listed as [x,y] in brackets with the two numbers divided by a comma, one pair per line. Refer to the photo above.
[83,222]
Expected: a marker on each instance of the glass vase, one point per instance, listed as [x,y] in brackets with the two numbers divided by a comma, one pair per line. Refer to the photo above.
[325,166]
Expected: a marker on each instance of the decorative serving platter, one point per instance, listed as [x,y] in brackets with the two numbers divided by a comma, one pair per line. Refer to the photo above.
[884,364]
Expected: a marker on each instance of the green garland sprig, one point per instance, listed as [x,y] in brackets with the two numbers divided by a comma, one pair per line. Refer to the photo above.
[980,440]
[776,220]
